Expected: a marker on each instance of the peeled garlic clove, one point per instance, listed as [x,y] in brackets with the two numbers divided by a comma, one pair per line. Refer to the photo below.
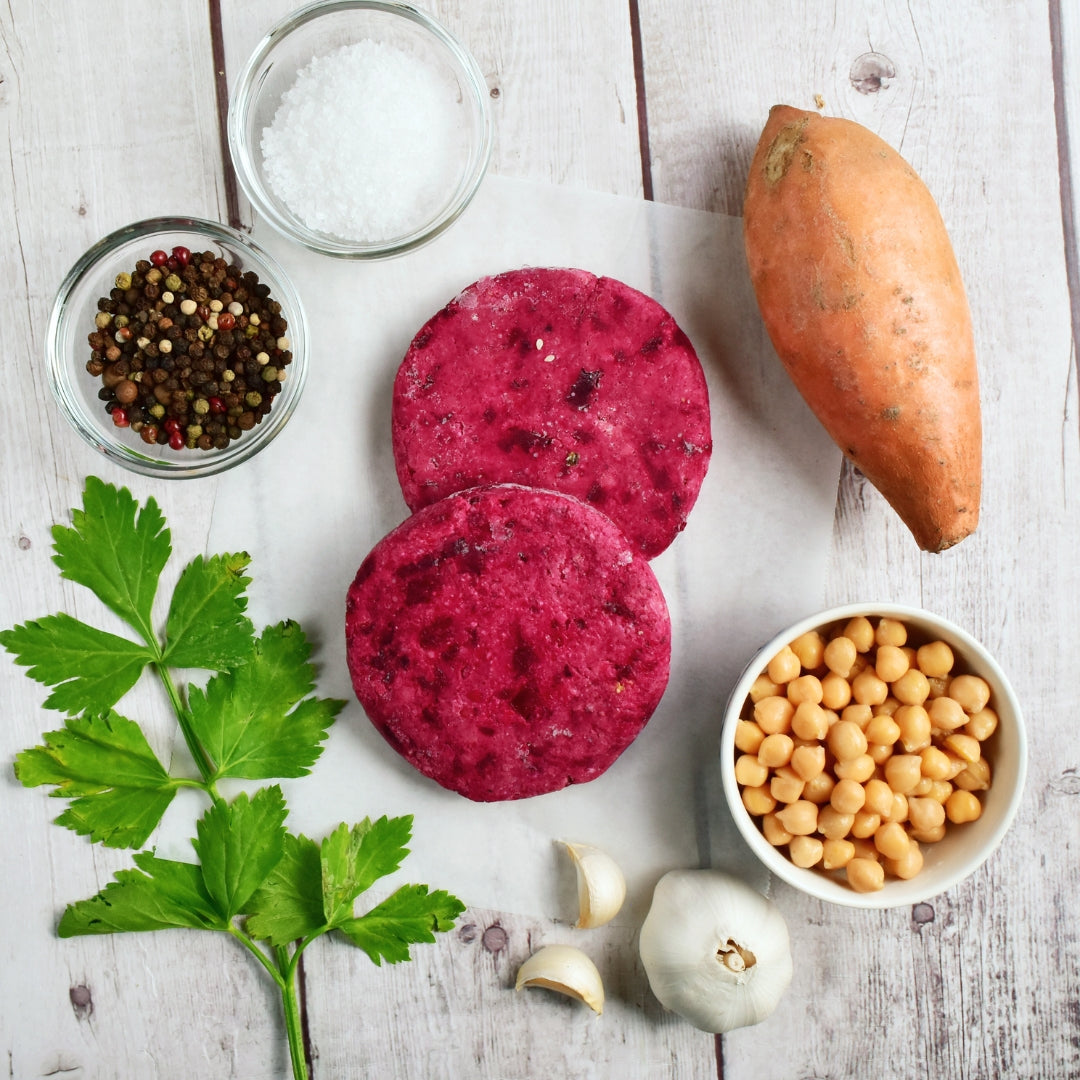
[566,970]
[715,950]
[600,883]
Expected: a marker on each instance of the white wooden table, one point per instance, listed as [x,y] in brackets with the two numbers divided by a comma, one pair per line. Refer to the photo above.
[111,112]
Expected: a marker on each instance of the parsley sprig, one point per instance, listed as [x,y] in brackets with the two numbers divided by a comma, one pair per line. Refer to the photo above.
[255,718]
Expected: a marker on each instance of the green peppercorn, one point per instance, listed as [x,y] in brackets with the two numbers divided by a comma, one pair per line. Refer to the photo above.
[102,319]
[157,410]
[123,281]
[269,373]
[253,399]
[173,283]
[201,406]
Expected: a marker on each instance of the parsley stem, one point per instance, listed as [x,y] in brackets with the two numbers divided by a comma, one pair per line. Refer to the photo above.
[202,760]
[293,1025]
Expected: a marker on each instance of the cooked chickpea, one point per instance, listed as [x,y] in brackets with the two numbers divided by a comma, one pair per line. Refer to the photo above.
[864,849]
[909,864]
[899,810]
[750,771]
[758,801]
[846,740]
[877,797]
[784,666]
[861,632]
[858,714]
[809,721]
[925,813]
[847,797]
[806,851]
[962,806]
[929,836]
[915,727]
[903,772]
[808,761]
[774,714]
[835,691]
[938,686]
[883,730]
[840,655]
[763,687]
[774,832]
[799,818]
[891,663]
[935,659]
[963,746]
[971,691]
[976,777]
[810,649]
[940,790]
[748,736]
[865,824]
[880,753]
[865,875]
[786,786]
[868,689]
[911,688]
[891,839]
[946,714]
[922,787]
[805,688]
[836,854]
[935,764]
[834,824]
[890,632]
[819,788]
[982,724]
[859,769]
[775,750]
[888,707]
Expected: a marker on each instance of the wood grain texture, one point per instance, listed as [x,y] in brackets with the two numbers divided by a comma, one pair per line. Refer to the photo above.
[102,128]
[952,989]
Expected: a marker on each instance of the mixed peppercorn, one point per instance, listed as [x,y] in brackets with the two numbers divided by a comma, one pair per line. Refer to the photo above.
[190,349]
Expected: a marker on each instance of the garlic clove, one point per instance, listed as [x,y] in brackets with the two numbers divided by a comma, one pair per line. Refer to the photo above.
[601,885]
[565,970]
[715,950]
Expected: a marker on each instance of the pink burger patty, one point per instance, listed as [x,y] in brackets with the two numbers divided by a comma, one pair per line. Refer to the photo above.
[563,380]
[507,641]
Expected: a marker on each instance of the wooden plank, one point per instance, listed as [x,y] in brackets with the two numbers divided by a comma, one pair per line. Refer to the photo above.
[956,987]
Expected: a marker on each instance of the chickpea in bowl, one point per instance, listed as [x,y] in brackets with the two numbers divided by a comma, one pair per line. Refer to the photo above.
[873,755]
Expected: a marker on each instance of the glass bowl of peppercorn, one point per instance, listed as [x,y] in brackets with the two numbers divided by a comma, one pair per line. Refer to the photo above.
[177,347]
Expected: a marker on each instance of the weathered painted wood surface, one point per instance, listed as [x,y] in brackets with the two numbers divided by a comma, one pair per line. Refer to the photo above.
[109,114]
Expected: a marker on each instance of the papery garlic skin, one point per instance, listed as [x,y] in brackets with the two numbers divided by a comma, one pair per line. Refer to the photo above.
[601,885]
[715,950]
[566,970]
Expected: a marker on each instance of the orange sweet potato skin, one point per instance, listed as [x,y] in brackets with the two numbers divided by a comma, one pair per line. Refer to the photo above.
[861,294]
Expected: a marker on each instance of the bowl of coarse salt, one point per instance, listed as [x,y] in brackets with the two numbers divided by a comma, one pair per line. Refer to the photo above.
[360,128]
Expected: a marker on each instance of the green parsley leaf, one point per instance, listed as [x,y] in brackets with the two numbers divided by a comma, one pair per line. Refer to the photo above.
[243,718]
[289,904]
[160,895]
[206,627]
[90,669]
[117,555]
[407,917]
[239,843]
[354,859]
[105,765]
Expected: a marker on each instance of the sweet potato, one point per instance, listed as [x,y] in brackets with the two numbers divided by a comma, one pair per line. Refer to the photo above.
[861,295]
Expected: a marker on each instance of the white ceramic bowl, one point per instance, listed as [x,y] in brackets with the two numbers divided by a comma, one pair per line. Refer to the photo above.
[964,847]
[316,31]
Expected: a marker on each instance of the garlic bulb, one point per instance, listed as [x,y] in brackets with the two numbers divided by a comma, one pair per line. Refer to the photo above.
[601,885]
[566,970]
[715,950]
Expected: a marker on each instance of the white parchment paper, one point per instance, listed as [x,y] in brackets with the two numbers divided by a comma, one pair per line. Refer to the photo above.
[752,558]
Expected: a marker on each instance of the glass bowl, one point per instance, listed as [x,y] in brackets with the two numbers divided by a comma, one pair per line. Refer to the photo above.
[73,320]
[964,847]
[405,145]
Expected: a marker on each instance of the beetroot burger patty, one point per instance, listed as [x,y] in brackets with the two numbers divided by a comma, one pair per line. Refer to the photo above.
[563,380]
[507,641]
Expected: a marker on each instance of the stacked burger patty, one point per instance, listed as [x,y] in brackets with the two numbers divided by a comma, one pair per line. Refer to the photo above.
[551,432]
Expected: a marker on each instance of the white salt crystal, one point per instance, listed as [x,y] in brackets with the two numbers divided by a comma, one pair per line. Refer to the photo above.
[366,143]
